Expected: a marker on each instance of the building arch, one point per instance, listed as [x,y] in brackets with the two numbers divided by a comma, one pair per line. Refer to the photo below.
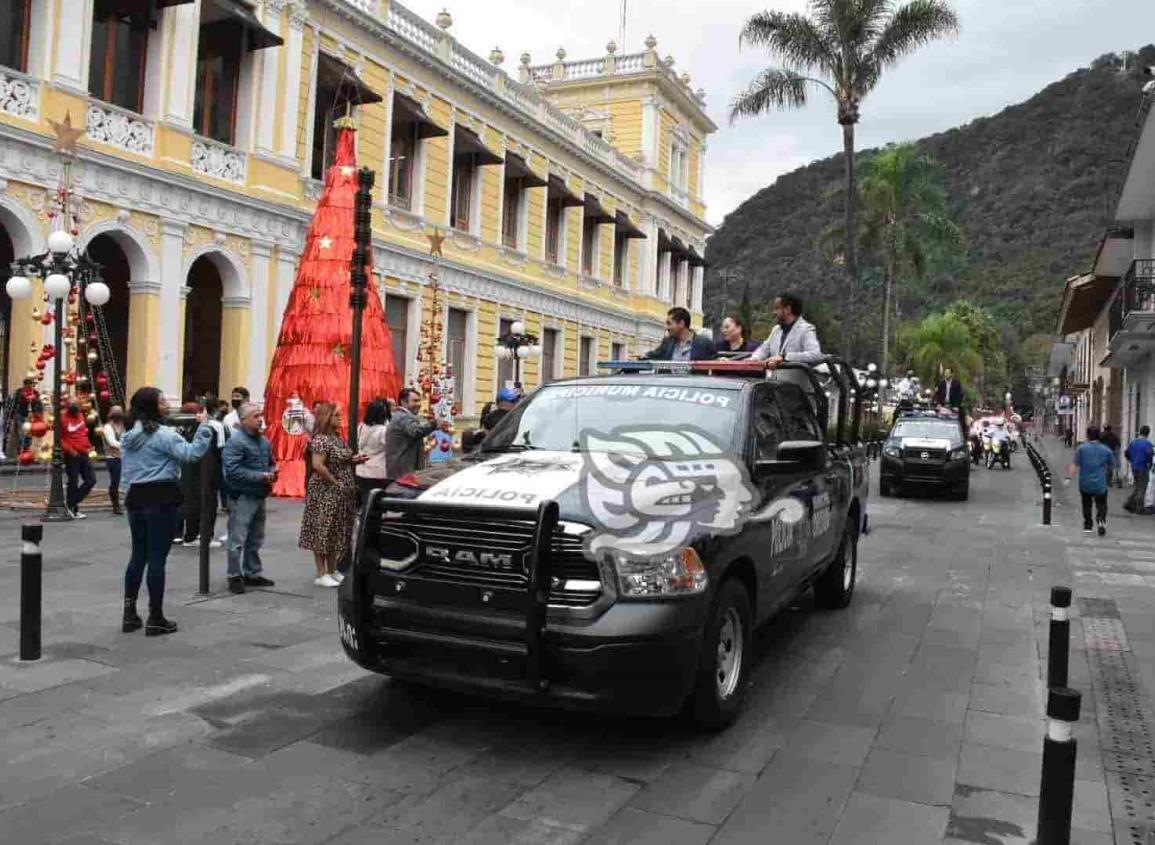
[217,304]
[144,266]
[234,274]
[20,235]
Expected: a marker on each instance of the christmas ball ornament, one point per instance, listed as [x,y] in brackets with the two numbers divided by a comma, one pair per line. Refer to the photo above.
[46,318]
[26,428]
[92,356]
[41,364]
[38,428]
[101,380]
[104,395]
[93,455]
[27,457]
[57,285]
[90,319]
[92,418]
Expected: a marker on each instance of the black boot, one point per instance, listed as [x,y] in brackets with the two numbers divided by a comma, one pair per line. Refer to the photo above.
[132,621]
[157,624]
[114,495]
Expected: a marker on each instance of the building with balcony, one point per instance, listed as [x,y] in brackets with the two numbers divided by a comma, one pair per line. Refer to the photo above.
[570,194]
[1108,315]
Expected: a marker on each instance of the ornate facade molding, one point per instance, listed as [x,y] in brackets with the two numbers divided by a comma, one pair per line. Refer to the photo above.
[119,128]
[19,94]
[219,161]
[123,184]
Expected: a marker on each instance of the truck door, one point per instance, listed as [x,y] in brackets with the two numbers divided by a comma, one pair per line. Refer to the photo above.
[781,517]
[820,488]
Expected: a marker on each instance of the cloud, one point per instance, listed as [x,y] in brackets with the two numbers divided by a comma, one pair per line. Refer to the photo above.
[1006,52]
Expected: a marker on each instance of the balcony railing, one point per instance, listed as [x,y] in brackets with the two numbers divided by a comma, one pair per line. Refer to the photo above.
[428,38]
[19,94]
[119,128]
[220,161]
[1135,296]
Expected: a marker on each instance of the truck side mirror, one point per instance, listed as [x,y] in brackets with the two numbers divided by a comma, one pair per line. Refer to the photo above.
[794,456]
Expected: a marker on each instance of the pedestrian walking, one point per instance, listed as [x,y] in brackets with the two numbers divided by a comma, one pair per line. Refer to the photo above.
[405,437]
[111,433]
[330,496]
[373,473]
[249,468]
[152,454]
[76,445]
[1093,461]
[1139,454]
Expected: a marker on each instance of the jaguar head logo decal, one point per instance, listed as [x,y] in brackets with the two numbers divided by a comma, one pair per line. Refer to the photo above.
[652,490]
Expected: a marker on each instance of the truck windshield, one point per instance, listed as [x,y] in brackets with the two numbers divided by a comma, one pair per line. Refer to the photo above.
[927,429]
[555,417]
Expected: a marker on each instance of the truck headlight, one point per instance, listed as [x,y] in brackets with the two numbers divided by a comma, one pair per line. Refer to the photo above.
[892,451]
[959,454]
[676,573]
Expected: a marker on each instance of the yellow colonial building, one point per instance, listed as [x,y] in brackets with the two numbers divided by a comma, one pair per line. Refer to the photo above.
[570,192]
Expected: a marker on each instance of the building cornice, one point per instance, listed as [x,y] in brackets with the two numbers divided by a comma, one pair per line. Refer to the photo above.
[28,157]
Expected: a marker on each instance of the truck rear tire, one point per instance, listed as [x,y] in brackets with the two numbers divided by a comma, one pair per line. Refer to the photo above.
[723,668]
[834,590]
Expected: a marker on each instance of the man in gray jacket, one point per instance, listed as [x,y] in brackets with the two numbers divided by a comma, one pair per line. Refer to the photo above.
[793,339]
[250,472]
[405,436]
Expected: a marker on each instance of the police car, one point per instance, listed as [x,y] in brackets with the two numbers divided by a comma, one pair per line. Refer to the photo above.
[616,539]
[926,447]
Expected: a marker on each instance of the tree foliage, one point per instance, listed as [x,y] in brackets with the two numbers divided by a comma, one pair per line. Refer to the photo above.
[991,381]
[941,341]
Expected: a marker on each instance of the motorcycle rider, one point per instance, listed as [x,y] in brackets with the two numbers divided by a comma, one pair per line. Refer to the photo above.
[1001,442]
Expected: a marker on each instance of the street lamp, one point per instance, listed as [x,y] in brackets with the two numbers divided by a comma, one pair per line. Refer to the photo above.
[61,267]
[517,346]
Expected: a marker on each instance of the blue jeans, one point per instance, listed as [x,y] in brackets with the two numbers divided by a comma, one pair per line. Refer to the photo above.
[246,534]
[113,465]
[152,533]
[81,479]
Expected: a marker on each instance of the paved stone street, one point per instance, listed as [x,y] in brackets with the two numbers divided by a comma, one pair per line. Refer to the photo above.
[915,716]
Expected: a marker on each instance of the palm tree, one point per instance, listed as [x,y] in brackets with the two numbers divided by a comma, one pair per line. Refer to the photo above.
[940,341]
[905,219]
[842,48]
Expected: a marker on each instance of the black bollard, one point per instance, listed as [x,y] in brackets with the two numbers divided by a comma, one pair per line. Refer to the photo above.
[1058,649]
[1057,790]
[1047,501]
[31,567]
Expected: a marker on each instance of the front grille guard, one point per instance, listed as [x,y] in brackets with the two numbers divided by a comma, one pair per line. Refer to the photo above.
[540,562]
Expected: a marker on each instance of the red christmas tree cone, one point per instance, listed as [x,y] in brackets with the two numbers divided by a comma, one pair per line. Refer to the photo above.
[314,350]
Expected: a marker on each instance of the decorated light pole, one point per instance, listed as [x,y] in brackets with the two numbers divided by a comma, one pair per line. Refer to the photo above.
[362,239]
[517,345]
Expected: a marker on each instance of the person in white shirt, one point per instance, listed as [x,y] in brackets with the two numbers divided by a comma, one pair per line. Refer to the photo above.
[371,442]
[793,339]
[239,397]
[110,433]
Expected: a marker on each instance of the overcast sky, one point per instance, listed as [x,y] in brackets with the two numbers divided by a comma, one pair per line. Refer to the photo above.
[1007,51]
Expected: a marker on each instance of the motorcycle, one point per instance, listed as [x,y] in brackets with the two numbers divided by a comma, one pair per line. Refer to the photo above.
[997,452]
[976,449]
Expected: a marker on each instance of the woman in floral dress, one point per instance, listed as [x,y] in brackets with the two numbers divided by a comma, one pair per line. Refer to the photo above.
[330,496]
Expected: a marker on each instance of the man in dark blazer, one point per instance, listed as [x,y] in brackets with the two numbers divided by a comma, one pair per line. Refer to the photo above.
[681,343]
[949,392]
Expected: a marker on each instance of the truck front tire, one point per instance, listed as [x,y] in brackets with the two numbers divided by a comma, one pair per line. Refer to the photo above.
[723,668]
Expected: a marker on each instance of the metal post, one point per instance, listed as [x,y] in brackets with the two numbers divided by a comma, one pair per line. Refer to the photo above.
[57,510]
[362,236]
[1057,789]
[1059,646]
[208,512]
[31,566]
[1047,501]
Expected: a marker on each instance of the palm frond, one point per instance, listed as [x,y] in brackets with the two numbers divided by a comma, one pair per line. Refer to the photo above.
[773,88]
[793,38]
[917,23]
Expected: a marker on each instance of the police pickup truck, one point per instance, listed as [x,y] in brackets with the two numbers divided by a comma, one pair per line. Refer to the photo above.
[616,539]
[926,446]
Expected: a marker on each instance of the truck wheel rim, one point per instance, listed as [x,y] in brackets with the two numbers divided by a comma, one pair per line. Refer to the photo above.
[847,568]
[730,645]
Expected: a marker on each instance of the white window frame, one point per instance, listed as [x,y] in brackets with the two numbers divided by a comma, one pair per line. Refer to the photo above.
[467,402]
[593,350]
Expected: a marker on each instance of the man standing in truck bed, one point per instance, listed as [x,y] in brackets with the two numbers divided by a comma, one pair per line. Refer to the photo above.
[794,339]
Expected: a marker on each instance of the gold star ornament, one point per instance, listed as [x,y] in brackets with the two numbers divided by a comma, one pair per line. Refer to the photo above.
[66,134]
[347,171]
[435,242]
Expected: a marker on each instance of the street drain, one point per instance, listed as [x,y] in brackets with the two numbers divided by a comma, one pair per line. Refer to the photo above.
[1123,713]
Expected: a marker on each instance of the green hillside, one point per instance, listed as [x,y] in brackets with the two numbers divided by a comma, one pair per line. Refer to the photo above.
[1032,187]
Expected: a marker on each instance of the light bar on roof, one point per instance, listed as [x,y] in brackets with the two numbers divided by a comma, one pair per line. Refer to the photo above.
[720,367]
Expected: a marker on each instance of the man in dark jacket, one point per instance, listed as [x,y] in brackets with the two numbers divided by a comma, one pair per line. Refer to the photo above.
[681,343]
[250,472]
[405,436]
[949,392]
